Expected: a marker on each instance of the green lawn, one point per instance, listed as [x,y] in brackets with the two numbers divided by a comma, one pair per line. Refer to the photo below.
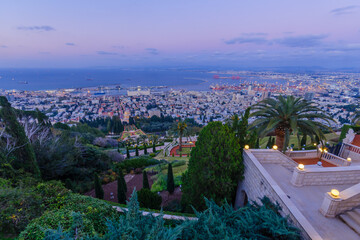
[332,138]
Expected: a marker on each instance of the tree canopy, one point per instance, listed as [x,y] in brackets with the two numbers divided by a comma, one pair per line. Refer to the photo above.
[290,115]
[215,167]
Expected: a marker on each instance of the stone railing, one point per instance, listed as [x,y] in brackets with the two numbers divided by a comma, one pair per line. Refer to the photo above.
[168,148]
[302,154]
[164,216]
[347,200]
[315,175]
[274,156]
[336,160]
[258,183]
[350,151]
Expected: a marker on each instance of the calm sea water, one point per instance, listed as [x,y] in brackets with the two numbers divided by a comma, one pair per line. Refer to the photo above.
[44,79]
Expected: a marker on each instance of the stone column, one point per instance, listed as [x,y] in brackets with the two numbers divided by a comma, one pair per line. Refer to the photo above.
[298,177]
[330,205]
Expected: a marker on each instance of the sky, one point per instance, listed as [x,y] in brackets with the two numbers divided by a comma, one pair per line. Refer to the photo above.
[187,33]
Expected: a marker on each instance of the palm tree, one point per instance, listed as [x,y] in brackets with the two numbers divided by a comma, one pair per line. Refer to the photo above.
[181,128]
[288,116]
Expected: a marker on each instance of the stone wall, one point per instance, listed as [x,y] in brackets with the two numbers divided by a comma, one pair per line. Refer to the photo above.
[258,183]
[314,175]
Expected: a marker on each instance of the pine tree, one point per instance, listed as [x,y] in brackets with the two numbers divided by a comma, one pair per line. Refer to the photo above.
[136,151]
[170,180]
[145,180]
[24,156]
[121,188]
[145,149]
[127,153]
[99,192]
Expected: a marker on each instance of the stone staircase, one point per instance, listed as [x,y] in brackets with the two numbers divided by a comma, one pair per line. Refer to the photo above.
[352,219]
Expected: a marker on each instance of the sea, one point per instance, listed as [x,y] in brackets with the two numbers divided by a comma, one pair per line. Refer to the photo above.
[51,79]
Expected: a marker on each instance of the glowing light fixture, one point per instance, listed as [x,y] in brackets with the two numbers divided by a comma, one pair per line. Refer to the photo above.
[348,159]
[275,147]
[314,144]
[301,167]
[334,193]
[325,150]
[247,147]
[320,149]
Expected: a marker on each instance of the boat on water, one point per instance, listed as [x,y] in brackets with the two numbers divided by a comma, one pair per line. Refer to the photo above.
[23,82]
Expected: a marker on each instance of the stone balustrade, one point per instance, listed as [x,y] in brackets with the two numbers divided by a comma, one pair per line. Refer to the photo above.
[336,160]
[315,175]
[305,154]
[273,156]
[347,200]
[350,151]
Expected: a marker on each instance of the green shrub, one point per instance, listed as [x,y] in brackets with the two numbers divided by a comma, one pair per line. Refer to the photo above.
[18,207]
[94,212]
[52,219]
[160,183]
[139,162]
[216,222]
[148,199]
[152,154]
[178,163]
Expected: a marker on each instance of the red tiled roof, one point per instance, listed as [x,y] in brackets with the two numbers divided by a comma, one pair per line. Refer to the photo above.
[356,140]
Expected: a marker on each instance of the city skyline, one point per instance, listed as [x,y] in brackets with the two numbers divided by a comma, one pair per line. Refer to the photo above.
[169,33]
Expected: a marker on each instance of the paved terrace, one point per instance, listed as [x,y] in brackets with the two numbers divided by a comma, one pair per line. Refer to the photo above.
[308,200]
[302,203]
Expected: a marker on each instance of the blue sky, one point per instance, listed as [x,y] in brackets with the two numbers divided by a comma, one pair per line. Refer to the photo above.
[187,33]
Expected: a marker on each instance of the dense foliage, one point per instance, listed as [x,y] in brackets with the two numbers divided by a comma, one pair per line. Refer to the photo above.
[138,162]
[35,206]
[22,152]
[251,222]
[149,199]
[215,167]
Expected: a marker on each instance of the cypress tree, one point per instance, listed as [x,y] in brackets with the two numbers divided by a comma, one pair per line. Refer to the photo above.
[121,188]
[257,144]
[145,149]
[136,151]
[215,167]
[273,142]
[145,180]
[25,155]
[268,144]
[170,180]
[99,191]
[154,148]
[127,153]
[303,140]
